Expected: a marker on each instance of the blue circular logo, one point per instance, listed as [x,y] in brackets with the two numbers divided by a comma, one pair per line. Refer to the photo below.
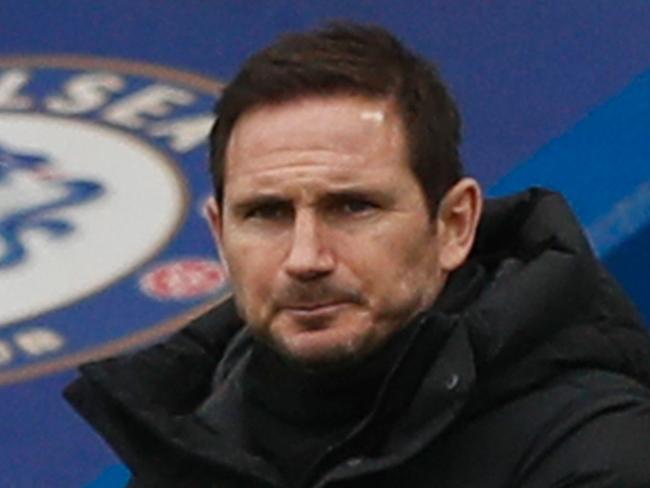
[103,181]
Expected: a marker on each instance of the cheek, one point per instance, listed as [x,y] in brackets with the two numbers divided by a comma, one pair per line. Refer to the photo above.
[247,256]
[252,272]
[396,270]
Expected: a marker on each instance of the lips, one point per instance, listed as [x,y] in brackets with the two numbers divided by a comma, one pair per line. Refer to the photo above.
[314,310]
[311,306]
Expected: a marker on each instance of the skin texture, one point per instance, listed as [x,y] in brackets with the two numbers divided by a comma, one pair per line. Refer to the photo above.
[325,229]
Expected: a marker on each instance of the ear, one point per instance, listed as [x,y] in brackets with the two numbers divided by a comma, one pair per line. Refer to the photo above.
[457,219]
[213,216]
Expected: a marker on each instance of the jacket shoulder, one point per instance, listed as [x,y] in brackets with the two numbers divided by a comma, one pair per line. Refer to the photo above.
[125,397]
[601,438]
[590,428]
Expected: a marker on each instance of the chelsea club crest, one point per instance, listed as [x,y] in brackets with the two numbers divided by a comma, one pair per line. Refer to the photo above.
[103,175]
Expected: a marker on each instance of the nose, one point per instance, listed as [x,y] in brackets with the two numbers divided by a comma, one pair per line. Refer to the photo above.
[310,256]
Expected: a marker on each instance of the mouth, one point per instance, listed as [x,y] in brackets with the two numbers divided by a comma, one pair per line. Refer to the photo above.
[315,310]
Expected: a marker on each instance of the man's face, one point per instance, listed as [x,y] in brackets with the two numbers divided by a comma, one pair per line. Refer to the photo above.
[324,227]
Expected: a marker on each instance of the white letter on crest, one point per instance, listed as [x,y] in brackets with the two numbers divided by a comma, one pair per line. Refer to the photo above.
[84,93]
[11,82]
[154,100]
[6,354]
[184,134]
[39,341]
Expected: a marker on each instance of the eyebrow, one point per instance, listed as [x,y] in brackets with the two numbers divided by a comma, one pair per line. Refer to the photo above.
[254,201]
[366,194]
[248,203]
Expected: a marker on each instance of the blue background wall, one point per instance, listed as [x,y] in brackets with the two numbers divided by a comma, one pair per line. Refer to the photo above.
[554,93]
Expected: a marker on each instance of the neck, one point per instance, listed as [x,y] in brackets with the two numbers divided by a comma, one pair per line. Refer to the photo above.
[299,394]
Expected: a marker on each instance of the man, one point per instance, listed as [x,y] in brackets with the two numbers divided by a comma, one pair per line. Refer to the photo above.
[375,338]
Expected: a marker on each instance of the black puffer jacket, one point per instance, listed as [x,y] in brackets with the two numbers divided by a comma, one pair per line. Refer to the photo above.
[533,370]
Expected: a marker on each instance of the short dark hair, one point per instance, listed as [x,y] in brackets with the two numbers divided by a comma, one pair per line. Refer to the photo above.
[349,58]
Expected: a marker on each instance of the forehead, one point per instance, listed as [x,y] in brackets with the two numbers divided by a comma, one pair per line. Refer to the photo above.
[347,125]
[318,122]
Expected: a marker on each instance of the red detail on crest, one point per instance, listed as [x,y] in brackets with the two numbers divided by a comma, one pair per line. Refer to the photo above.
[189,278]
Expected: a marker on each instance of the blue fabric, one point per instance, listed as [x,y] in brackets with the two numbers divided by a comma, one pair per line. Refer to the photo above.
[114,477]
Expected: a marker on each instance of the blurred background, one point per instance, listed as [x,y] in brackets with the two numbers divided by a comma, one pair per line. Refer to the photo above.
[104,108]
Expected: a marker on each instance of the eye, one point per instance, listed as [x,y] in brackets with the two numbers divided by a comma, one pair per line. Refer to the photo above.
[355,206]
[269,211]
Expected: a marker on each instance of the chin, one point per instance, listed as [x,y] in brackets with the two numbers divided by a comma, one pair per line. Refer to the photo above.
[325,349]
